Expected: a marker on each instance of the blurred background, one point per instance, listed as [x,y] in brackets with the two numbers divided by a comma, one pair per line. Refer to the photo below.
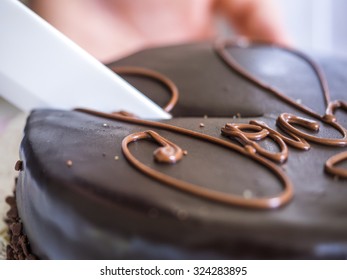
[317,25]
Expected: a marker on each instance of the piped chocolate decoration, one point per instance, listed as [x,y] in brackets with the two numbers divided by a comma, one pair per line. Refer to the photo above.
[296,142]
[248,151]
[285,119]
[171,153]
[144,72]
[332,169]
[251,148]
[246,138]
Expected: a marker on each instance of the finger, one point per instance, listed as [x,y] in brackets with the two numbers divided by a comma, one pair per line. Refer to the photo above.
[256,19]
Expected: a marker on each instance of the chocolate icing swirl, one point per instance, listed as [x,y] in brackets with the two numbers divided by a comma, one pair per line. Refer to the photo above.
[171,153]
[234,130]
[332,169]
[144,72]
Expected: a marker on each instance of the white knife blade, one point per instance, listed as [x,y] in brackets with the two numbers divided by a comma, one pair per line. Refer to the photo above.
[41,68]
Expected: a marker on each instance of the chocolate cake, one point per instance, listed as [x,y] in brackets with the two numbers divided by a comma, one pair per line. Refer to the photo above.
[252,164]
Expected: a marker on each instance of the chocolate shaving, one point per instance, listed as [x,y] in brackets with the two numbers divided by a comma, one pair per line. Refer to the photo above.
[18,247]
[19,165]
[16,229]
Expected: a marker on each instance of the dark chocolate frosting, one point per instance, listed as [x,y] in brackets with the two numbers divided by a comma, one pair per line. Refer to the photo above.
[79,198]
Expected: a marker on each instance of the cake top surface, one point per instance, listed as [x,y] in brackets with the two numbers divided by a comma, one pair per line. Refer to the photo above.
[87,166]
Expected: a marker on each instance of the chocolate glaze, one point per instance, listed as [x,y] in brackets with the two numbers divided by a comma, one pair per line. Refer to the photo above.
[98,209]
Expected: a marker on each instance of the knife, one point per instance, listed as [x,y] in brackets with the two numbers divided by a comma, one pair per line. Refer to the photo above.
[42,68]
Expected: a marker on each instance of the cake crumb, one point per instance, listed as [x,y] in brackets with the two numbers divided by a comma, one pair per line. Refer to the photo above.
[116,158]
[19,165]
[205,117]
[202,125]
[185,152]
[69,163]
[103,154]
[105,125]
[238,115]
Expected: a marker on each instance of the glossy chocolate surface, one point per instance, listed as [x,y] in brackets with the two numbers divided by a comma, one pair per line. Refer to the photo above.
[80,198]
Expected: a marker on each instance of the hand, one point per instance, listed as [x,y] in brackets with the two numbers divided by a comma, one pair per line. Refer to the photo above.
[255,19]
[111,29]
